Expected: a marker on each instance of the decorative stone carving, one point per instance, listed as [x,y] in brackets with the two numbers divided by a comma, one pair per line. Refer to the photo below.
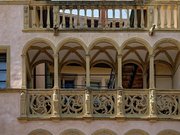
[167,104]
[72,104]
[136,104]
[40,104]
[103,104]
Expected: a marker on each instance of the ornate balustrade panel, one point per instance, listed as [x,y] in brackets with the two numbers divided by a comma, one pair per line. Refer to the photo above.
[103,103]
[168,103]
[39,103]
[136,103]
[72,103]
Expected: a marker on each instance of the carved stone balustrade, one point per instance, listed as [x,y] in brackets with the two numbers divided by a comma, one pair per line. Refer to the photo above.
[136,104]
[106,16]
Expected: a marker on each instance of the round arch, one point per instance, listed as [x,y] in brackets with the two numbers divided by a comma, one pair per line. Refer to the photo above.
[40,132]
[136,131]
[71,40]
[104,132]
[103,40]
[37,40]
[166,40]
[168,132]
[72,131]
[137,40]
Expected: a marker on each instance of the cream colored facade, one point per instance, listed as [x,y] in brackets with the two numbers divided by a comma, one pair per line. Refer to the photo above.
[86,53]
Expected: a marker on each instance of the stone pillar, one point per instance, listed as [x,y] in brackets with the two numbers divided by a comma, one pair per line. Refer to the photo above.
[158,17]
[56,73]
[26,17]
[24,77]
[63,17]
[87,70]
[135,17]
[70,17]
[165,16]
[55,104]
[48,16]
[34,17]
[56,16]
[119,77]
[152,105]
[78,14]
[92,18]
[128,19]
[85,17]
[119,104]
[151,73]
[142,17]
[41,16]
[172,16]
[23,105]
[87,103]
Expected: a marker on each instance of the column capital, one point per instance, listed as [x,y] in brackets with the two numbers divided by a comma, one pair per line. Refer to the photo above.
[87,55]
[55,54]
[151,55]
[119,55]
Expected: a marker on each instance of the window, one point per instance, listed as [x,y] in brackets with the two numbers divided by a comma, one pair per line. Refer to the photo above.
[3,70]
[4,67]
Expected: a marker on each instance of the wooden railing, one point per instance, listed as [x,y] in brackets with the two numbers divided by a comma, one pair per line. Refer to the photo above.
[139,104]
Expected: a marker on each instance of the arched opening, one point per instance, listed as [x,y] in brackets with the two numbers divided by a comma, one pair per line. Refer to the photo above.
[168,132]
[72,65]
[40,132]
[103,61]
[167,64]
[135,56]
[72,132]
[104,132]
[39,65]
[136,132]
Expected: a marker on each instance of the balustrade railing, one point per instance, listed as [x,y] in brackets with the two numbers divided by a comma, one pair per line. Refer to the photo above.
[58,17]
[102,103]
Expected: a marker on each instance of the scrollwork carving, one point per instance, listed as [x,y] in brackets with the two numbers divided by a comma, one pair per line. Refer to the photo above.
[103,104]
[136,104]
[167,104]
[40,104]
[72,104]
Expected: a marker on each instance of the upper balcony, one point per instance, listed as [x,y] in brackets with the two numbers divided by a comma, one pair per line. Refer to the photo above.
[109,15]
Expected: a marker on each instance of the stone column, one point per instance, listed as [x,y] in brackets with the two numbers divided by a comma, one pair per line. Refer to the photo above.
[151,73]
[87,70]
[87,103]
[142,17]
[56,73]
[41,16]
[119,77]
[172,16]
[24,77]
[165,16]
[158,17]
[34,17]
[135,17]
[48,16]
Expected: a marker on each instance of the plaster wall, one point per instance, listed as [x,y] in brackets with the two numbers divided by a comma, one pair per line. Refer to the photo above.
[11,34]
[10,125]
